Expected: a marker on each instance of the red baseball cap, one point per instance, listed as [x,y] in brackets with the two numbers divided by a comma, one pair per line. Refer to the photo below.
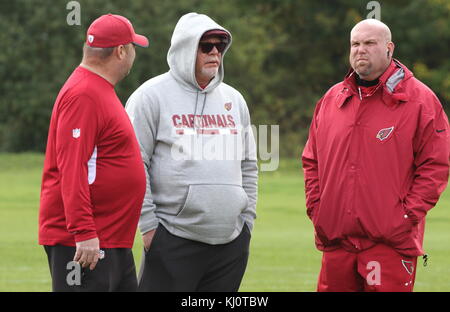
[216,33]
[111,31]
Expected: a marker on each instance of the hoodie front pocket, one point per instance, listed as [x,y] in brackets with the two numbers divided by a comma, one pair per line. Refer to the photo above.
[212,209]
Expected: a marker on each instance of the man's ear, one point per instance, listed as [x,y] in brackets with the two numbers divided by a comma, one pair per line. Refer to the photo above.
[120,52]
[390,49]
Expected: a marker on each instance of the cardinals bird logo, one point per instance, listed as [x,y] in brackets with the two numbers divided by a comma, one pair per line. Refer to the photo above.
[383,134]
[409,266]
[228,106]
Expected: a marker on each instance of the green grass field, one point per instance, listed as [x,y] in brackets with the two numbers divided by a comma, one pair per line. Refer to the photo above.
[283,256]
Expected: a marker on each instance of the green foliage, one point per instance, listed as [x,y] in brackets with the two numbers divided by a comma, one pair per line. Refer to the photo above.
[282,252]
[285,54]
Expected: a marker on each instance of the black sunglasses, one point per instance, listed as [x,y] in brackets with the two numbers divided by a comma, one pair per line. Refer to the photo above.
[207,47]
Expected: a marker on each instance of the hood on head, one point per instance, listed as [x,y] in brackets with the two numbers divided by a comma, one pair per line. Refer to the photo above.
[182,54]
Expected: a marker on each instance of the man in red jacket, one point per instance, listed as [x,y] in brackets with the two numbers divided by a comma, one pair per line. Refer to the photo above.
[376,160]
[93,182]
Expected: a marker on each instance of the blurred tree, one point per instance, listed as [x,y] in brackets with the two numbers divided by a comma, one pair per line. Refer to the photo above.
[285,54]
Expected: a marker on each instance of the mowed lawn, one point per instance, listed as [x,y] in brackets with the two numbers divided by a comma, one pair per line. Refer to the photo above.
[283,256]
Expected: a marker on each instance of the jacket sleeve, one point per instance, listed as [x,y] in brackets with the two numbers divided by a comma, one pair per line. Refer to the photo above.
[310,167]
[144,116]
[249,167]
[431,148]
[75,143]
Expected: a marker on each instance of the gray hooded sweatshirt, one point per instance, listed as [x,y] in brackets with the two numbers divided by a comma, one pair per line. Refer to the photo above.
[197,146]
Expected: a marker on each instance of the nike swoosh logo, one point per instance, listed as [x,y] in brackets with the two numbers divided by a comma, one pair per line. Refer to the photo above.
[439,131]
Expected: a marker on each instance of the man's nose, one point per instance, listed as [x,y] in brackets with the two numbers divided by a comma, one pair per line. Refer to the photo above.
[361,50]
[214,51]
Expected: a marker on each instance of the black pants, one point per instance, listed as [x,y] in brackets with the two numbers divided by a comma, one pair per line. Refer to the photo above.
[116,272]
[177,264]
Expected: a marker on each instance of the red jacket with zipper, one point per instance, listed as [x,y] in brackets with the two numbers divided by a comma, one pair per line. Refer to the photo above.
[375,163]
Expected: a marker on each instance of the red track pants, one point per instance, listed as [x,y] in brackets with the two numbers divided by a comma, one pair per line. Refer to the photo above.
[379,268]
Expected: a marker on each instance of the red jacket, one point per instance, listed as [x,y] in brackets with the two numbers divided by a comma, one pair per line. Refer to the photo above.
[93,182]
[375,163]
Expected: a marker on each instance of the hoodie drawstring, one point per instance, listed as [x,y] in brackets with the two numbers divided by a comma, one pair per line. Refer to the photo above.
[203,107]
[195,110]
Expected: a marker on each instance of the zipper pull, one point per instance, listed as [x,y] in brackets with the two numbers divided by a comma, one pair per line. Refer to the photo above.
[425,260]
[360,95]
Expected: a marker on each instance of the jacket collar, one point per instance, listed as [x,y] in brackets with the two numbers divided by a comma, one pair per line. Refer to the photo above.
[390,82]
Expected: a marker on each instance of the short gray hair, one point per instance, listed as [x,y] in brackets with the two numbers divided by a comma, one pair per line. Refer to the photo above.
[98,53]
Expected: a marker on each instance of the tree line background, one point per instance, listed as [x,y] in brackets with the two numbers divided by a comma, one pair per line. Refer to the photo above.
[285,54]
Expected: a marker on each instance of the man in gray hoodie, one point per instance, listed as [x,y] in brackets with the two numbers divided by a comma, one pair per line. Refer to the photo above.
[199,154]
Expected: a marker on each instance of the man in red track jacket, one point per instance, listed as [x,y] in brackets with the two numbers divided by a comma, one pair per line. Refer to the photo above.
[376,160]
[93,182]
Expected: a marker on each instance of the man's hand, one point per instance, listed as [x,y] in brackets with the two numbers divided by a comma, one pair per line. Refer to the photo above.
[147,238]
[88,253]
